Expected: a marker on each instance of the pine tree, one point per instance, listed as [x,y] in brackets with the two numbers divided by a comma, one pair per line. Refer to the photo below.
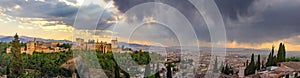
[258,64]
[17,68]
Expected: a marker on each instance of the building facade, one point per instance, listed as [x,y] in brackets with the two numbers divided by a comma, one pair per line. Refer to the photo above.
[101,46]
[40,46]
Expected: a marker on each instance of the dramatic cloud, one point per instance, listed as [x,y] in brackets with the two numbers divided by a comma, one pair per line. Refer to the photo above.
[250,22]
[32,8]
[183,6]
[276,21]
[54,12]
[233,8]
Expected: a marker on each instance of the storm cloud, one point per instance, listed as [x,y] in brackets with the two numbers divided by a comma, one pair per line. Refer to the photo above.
[56,10]
[275,22]
[246,21]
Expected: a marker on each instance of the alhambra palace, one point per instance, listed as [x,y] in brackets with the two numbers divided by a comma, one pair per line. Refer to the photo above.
[40,46]
[50,47]
[93,45]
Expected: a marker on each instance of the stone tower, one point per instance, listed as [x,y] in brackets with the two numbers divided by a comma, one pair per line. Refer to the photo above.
[114,46]
[114,43]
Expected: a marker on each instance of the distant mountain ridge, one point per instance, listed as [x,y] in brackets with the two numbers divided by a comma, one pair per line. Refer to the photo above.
[26,39]
[135,46]
[190,48]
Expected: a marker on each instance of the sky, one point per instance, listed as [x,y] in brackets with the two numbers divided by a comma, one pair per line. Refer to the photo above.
[257,24]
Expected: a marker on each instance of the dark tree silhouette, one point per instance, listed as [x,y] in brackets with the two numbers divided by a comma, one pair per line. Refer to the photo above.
[17,68]
[169,70]
[258,64]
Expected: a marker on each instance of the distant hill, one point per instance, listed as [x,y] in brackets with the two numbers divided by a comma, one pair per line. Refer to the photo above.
[26,39]
[133,46]
[1,36]
[227,49]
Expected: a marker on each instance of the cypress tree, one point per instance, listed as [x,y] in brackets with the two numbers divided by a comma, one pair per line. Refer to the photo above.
[271,58]
[117,71]
[246,71]
[250,69]
[17,68]
[127,75]
[230,71]
[258,63]
[247,63]
[275,61]
[223,69]
[226,70]
[252,65]
[272,61]
[262,64]
[281,53]
[169,70]
[284,53]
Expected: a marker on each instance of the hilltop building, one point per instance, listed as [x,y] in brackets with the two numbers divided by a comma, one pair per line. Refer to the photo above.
[40,46]
[103,47]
